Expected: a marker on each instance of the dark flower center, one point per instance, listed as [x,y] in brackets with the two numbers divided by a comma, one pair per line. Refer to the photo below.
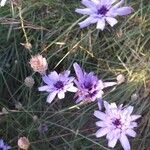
[88,85]
[116,122]
[92,94]
[1,148]
[59,84]
[102,11]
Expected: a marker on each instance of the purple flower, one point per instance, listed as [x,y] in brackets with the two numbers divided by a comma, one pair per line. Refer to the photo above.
[3,146]
[101,11]
[43,128]
[57,84]
[89,86]
[116,123]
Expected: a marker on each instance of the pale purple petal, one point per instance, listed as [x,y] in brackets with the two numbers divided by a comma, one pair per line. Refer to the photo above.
[100,115]
[101,132]
[61,95]
[100,103]
[53,76]
[78,71]
[108,84]
[47,80]
[79,99]
[100,84]
[106,105]
[111,21]
[87,22]
[125,142]
[133,125]
[131,132]
[100,124]
[112,143]
[88,3]
[130,109]
[101,24]
[65,73]
[51,96]
[85,11]
[97,2]
[72,89]
[99,94]
[135,117]
[124,11]
[107,2]
[43,88]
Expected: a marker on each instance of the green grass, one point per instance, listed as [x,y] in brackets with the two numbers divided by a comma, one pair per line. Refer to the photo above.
[48,23]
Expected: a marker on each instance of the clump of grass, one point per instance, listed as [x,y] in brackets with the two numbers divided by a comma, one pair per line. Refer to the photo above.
[51,27]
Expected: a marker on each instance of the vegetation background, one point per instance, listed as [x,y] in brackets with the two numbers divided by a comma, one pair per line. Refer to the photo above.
[51,28]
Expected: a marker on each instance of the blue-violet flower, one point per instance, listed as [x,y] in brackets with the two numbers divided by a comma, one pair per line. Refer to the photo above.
[57,84]
[116,123]
[101,11]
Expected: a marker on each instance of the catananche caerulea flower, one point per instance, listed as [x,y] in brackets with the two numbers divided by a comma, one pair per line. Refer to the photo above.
[116,123]
[3,146]
[89,86]
[101,11]
[57,84]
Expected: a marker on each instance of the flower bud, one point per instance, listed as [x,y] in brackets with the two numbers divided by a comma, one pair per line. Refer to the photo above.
[23,143]
[29,82]
[39,64]
[120,79]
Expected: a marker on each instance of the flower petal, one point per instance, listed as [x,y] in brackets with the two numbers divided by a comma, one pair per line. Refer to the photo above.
[47,80]
[51,96]
[88,3]
[101,24]
[107,84]
[87,22]
[100,115]
[124,11]
[53,76]
[111,21]
[101,124]
[102,132]
[125,142]
[61,95]
[135,117]
[78,71]
[72,89]
[85,11]
[112,143]
[97,2]
[43,88]
[100,103]
[131,132]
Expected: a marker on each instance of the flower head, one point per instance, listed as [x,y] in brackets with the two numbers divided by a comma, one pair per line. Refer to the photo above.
[29,81]
[3,146]
[58,84]
[23,143]
[43,128]
[39,64]
[100,11]
[116,123]
[89,86]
